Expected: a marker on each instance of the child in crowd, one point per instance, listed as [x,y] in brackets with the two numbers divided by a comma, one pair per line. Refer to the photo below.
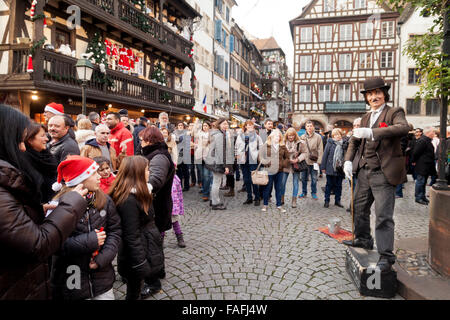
[177,211]
[94,243]
[106,176]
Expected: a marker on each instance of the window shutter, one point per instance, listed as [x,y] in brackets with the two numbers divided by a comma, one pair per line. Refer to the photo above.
[231,43]
[218,30]
[226,70]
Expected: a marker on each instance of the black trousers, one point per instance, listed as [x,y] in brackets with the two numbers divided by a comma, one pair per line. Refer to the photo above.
[183,174]
[134,286]
[373,187]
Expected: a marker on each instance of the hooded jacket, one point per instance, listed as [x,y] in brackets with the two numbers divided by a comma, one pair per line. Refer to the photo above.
[92,150]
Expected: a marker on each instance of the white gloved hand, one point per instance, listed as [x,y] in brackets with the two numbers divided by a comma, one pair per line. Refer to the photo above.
[348,169]
[363,133]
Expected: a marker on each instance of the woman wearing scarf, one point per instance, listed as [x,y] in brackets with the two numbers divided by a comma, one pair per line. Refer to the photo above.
[332,162]
[183,140]
[247,148]
[294,147]
[41,159]
[202,140]
[275,157]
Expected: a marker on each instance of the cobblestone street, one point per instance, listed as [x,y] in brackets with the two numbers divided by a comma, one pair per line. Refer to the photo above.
[243,253]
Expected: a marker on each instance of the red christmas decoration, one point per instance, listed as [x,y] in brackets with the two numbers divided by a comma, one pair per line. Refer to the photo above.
[45,23]
[30,68]
[383,125]
[108,47]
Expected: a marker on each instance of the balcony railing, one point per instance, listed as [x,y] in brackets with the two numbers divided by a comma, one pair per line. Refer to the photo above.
[126,11]
[51,67]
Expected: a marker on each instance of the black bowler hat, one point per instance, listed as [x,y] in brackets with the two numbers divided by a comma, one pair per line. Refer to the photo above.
[374,83]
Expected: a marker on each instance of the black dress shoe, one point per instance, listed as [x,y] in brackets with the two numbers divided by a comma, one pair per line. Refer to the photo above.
[338,204]
[257,203]
[358,243]
[248,201]
[326,204]
[426,200]
[384,265]
[422,202]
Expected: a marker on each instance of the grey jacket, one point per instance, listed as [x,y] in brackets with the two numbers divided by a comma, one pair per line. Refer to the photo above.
[221,156]
[64,147]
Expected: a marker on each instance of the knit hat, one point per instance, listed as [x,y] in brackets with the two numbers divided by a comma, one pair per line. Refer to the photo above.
[123,112]
[55,108]
[74,170]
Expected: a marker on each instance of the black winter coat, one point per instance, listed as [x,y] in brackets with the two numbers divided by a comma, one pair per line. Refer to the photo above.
[27,238]
[424,157]
[162,171]
[141,252]
[64,147]
[78,249]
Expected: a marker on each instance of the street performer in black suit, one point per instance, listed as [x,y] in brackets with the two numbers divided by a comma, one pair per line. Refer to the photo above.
[380,167]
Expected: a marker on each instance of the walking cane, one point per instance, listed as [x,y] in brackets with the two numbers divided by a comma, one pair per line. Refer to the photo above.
[352,210]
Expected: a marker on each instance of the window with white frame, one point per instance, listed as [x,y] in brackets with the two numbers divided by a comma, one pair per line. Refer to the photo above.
[305,63]
[325,62]
[324,92]
[305,93]
[387,59]
[342,4]
[306,35]
[325,33]
[366,30]
[345,61]
[365,60]
[328,5]
[344,92]
[360,4]
[387,29]
[346,32]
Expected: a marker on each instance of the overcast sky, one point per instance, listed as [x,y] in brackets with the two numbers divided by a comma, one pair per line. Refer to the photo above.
[267,18]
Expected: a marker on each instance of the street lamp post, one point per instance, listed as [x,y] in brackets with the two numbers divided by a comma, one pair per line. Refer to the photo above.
[84,71]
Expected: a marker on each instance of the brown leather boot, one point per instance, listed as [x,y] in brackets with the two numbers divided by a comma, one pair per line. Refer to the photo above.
[180,241]
[282,200]
[229,193]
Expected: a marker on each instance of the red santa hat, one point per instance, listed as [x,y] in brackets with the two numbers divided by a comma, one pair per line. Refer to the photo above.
[74,170]
[55,108]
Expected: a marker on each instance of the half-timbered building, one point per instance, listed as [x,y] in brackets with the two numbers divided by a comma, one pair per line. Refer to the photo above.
[139,36]
[337,45]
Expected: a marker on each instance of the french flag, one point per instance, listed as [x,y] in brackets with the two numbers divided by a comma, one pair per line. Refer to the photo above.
[204,104]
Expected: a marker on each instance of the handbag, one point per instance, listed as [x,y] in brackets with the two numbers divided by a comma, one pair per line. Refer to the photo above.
[313,156]
[300,166]
[260,178]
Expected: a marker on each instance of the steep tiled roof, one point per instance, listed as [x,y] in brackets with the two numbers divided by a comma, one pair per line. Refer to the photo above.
[266,44]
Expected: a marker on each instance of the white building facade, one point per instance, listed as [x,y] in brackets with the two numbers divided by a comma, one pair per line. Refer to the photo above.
[420,113]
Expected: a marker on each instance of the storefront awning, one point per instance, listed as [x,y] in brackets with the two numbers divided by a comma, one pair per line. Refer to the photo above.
[205,115]
[256,95]
[239,118]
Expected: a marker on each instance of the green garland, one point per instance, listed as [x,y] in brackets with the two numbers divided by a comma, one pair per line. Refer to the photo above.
[37,45]
[39,16]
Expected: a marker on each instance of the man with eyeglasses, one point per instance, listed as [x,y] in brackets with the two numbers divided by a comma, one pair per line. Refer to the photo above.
[100,147]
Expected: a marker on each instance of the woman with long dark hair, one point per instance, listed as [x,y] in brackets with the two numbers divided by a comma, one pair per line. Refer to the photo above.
[140,254]
[27,237]
[41,159]
[162,171]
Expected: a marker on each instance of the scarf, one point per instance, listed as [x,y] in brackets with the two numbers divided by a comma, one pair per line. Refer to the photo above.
[338,156]
[291,146]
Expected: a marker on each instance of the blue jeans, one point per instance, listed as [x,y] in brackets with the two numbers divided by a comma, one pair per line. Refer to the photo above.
[421,182]
[333,183]
[249,186]
[295,177]
[207,181]
[313,173]
[199,168]
[399,190]
[277,180]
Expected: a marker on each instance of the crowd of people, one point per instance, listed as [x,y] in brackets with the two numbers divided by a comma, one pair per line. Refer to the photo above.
[74,195]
